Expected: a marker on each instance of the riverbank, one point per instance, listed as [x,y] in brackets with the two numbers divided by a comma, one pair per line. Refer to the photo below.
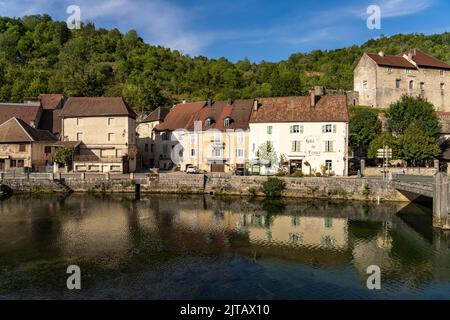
[340,188]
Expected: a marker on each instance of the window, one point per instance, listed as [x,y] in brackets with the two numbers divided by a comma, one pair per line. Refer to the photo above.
[166,136]
[240,137]
[79,136]
[146,147]
[110,137]
[389,70]
[441,73]
[329,165]
[398,83]
[328,128]
[217,152]
[365,84]
[78,121]
[13,163]
[227,122]
[295,146]
[442,86]
[411,85]
[217,137]
[20,163]
[208,122]
[295,221]
[22,148]
[253,147]
[192,152]
[328,146]
[110,121]
[119,153]
[240,153]
[422,86]
[295,238]
[408,71]
[295,129]
[269,129]
[152,147]
[47,149]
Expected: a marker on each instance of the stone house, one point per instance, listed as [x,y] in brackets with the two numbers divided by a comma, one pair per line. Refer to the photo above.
[24,148]
[382,79]
[146,137]
[307,134]
[104,129]
[217,137]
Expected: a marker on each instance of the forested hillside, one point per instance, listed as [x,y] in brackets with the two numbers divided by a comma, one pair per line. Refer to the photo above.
[39,55]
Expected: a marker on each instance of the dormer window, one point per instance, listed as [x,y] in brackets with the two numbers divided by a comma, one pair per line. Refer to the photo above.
[208,122]
[441,73]
[389,70]
[227,122]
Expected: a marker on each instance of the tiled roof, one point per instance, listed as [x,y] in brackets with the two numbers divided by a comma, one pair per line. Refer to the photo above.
[51,121]
[391,61]
[157,115]
[96,106]
[28,112]
[237,111]
[51,101]
[180,116]
[17,130]
[331,108]
[424,60]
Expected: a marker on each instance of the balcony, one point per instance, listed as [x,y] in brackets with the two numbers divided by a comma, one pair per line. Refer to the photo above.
[217,144]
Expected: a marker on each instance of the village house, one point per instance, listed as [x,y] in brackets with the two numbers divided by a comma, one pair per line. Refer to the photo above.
[216,139]
[307,134]
[24,148]
[104,131]
[146,138]
[382,79]
[167,147]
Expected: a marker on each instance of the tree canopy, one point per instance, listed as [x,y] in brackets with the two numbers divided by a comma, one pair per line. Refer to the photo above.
[364,126]
[39,55]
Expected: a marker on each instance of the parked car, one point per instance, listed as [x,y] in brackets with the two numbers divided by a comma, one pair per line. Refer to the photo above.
[240,172]
[192,170]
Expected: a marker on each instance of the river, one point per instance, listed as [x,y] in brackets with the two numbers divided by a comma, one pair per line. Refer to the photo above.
[195,247]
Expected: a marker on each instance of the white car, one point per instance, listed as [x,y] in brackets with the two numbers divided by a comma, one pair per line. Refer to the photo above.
[192,170]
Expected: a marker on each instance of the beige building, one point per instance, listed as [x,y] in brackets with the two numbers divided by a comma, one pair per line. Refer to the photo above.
[105,128]
[24,148]
[146,137]
[382,79]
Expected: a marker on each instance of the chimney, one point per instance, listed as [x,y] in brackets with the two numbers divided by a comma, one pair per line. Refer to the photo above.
[381,54]
[255,105]
[313,98]
[315,94]
[230,101]
[184,101]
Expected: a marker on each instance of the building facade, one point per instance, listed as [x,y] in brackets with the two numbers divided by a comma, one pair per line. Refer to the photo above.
[24,148]
[382,79]
[306,134]
[146,137]
[105,128]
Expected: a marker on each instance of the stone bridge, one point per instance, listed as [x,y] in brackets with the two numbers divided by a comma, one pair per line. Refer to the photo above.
[436,188]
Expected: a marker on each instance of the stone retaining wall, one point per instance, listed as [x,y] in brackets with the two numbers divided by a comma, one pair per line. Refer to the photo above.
[220,184]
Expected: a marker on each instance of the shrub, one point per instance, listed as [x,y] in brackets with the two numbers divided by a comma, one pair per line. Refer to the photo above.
[273,187]
[366,190]
[297,174]
[318,174]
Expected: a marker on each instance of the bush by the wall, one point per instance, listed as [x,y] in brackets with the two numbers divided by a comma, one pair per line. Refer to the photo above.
[273,187]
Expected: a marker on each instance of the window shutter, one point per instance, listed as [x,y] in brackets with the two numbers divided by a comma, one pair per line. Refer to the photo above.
[292,129]
[301,129]
[323,128]
[334,128]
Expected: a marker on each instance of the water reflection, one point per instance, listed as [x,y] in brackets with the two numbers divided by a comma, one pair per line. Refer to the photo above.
[204,247]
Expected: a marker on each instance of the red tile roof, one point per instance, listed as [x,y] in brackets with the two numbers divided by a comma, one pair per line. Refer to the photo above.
[28,112]
[391,61]
[180,116]
[51,101]
[424,60]
[96,106]
[157,115]
[17,130]
[329,108]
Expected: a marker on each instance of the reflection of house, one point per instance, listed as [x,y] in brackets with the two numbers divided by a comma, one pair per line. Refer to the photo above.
[217,137]
[304,130]
[106,128]
[382,79]
[145,137]
[167,149]
[23,147]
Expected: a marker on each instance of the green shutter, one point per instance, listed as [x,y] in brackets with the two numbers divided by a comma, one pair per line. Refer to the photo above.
[334,128]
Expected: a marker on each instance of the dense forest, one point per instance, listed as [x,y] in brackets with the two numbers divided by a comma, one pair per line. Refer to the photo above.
[38,55]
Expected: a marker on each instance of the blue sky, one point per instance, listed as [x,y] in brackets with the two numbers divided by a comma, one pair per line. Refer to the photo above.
[256,29]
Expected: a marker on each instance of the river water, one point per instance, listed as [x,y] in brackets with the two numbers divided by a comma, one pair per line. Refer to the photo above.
[195,247]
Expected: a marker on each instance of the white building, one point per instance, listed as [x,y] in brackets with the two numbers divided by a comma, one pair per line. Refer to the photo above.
[301,130]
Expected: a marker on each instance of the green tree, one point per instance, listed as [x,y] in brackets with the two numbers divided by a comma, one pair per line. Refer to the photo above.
[379,142]
[63,155]
[415,144]
[364,126]
[412,109]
